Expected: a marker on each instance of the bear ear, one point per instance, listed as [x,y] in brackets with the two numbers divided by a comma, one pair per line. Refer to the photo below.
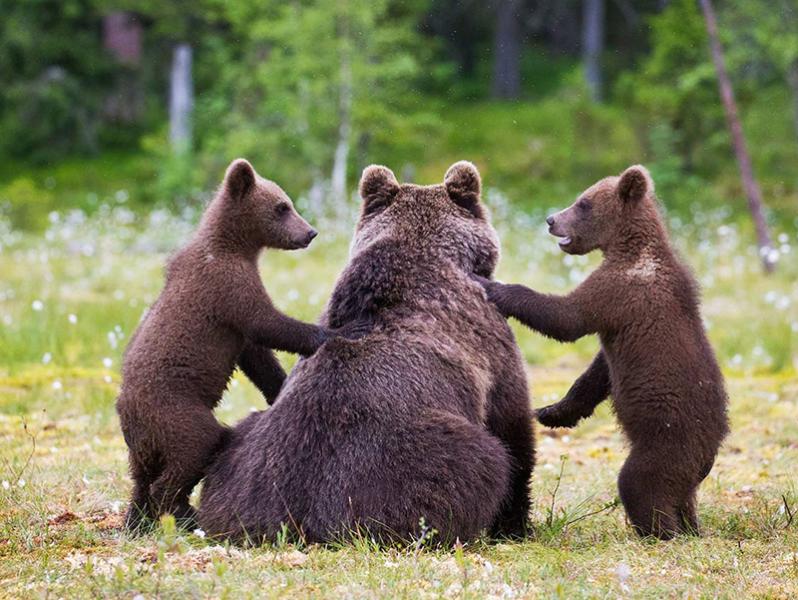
[239,179]
[464,186]
[634,183]
[378,187]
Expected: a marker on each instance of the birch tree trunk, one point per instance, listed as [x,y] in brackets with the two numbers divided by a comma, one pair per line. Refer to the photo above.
[593,45]
[181,98]
[755,205]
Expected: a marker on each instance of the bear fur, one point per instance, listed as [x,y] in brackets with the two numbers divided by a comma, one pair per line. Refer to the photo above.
[212,315]
[655,359]
[426,419]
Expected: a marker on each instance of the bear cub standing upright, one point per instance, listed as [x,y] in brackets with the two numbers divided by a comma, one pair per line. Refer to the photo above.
[212,315]
[655,358]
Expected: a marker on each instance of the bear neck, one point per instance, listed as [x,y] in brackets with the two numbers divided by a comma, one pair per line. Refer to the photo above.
[224,230]
[641,232]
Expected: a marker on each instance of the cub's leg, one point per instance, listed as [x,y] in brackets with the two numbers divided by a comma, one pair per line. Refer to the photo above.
[140,511]
[193,439]
[689,516]
[687,509]
[510,419]
[262,368]
[587,392]
[647,494]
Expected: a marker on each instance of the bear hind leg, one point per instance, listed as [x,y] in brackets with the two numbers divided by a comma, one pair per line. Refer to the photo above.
[651,510]
[689,516]
[194,440]
[510,419]
[140,512]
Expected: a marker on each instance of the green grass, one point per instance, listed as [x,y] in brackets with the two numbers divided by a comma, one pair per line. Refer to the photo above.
[64,460]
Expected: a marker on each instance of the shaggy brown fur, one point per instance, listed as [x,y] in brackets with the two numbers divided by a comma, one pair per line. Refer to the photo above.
[642,301]
[213,313]
[427,416]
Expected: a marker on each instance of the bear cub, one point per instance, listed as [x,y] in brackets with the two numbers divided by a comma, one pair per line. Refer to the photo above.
[655,359]
[212,315]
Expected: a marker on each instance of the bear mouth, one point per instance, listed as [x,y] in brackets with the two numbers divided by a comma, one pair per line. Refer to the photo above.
[564,240]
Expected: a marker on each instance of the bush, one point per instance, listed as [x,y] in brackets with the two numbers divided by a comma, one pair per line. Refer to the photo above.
[26,204]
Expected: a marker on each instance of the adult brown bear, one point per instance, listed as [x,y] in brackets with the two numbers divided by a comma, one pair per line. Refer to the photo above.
[425,418]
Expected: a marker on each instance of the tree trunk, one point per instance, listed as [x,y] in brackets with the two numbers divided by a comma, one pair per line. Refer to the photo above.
[752,191]
[122,33]
[181,99]
[338,177]
[122,38]
[593,45]
[507,51]
[792,80]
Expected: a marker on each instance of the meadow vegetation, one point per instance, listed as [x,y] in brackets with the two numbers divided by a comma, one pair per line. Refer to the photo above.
[71,297]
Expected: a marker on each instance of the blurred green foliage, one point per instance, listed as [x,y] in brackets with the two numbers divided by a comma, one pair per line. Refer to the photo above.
[52,68]
[405,83]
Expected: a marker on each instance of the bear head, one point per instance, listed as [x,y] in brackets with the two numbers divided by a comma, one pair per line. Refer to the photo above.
[599,213]
[254,212]
[434,223]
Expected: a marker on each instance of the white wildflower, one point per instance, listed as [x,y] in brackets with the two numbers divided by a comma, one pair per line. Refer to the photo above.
[57,385]
[107,362]
[37,305]
[72,318]
[21,483]
[199,533]
[773,256]
[6,485]
[47,358]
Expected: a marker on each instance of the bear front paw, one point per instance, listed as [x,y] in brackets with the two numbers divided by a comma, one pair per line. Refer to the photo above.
[556,415]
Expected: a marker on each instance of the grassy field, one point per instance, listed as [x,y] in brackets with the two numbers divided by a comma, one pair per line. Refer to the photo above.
[70,298]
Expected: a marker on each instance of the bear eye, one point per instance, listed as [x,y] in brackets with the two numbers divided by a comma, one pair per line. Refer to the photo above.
[282,209]
[583,204]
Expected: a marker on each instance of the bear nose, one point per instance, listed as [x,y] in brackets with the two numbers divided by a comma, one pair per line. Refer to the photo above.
[313,233]
[550,220]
